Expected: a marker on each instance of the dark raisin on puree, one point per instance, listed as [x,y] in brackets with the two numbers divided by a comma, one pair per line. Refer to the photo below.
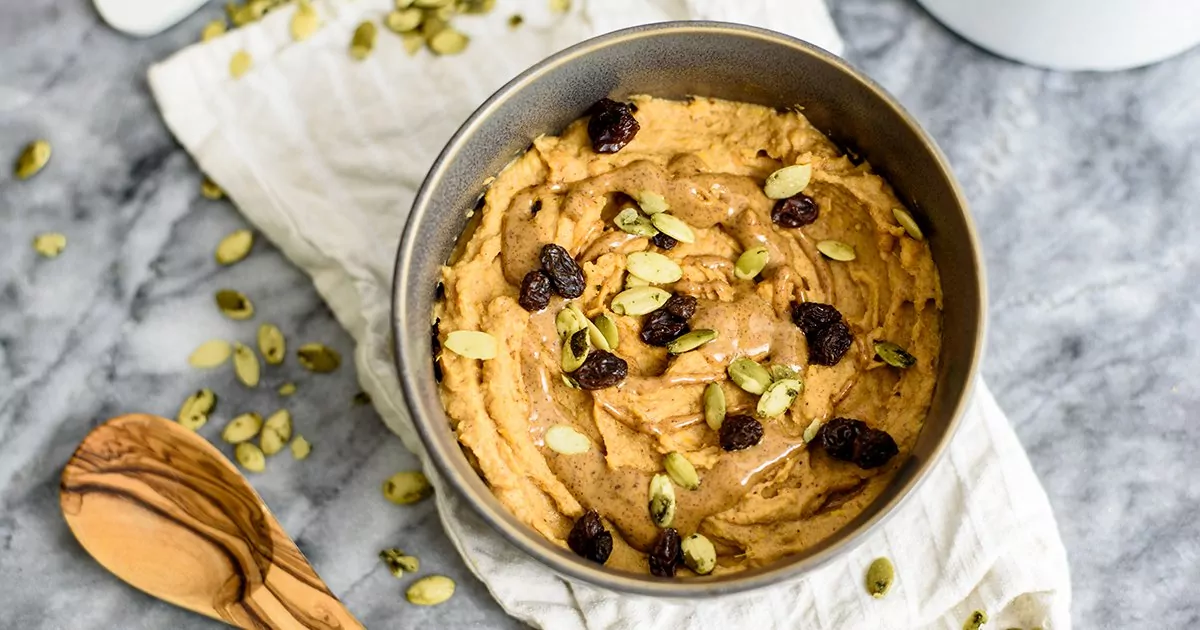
[565,274]
[589,539]
[739,432]
[660,327]
[664,556]
[796,211]
[601,369]
[663,241]
[681,306]
[612,126]
[535,291]
[851,440]
[829,338]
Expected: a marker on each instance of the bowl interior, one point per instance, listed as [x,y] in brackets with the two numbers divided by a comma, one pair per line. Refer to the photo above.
[675,60]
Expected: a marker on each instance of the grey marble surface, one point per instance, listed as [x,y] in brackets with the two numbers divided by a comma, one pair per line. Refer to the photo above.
[1084,187]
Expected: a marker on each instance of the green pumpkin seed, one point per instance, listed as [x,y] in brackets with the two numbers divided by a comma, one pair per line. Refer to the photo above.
[210,354]
[403,4]
[407,487]
[475,7]
[250,457]
[398,563]
[432,4]
[430,591]
[751,263]
[234,247]
[287,389]
[245,365]
[975,621]
[748,375]
[662,501]
[240,63]
[681,471]
[880,577]
[301,448]
[894,355]
[811,432]
[653,267]
[212,30]
[210,190]
[597,338]
[651,202]
[714,406]
[565,440]
[638,300]
[575,351]
[242,428]
[836,250]
[363,40]
[316,357]
[280,422]
[403,21]
[780,372]
[413,42]
[193,413]
[690,341]
[788,181]
[779,397]
[234,305]
[270,442]
[632,281]
[305,21]
[633,222]
[907,222]
[674,227]
[698,554]
[569,321]
[32,159]
[271,343]
[448,42]
[49,244]
[608,329]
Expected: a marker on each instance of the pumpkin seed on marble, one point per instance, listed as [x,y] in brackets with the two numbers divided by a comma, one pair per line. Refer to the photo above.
[653,267]
[49,244]
[404,488]
[894,355]
[287,389]
[632,281]
[448,42]
[305,21]
[674,227]
[271,442]
[234,247]
[32,159]
[787,181]
[566,440]
[301,448]
[239,64]
[560,6]
[714,406]
[242,428]
[399,563]
[363,40]
[234,305]
[661,501]
[245,365]
[690,341]
[280,422]
[597,338]
[751,263]
[210,354]
[403,21]
[569,321]
[698,554]
[608,329]
[212,30]
[906,221]
[749,375]
[780,372]
[271,343]
[681,471]
[210,190]
[836,250]
[316,357]
[575,350]
[880,577]
[811,432]
[633,222]
[413,42]
[638,300]
[778,397]
[193,413]
[430,591]
[651,202]
[975,621]
[250,457]
[471,344]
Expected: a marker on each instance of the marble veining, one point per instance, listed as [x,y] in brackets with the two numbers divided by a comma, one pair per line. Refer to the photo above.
[1083,186]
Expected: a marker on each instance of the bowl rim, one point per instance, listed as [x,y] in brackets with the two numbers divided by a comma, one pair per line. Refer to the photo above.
[524,537]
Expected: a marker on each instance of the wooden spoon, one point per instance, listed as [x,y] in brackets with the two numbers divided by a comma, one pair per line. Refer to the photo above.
[162,509]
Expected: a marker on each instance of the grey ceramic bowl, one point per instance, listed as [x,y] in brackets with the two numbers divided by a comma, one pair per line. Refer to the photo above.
[675,60]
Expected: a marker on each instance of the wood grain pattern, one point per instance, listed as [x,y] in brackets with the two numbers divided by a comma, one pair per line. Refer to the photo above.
[162,509]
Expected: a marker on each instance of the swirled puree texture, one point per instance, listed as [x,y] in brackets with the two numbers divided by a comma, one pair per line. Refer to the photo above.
[709,159]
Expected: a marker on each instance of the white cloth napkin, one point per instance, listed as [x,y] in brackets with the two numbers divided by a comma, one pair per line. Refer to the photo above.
[324,154]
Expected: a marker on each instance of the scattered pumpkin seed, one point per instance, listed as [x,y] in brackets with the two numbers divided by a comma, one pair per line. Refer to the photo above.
[681,471]
[49,244]
[403,21]
[633,222]
[448,42]
[32,159]
[271,343]
[894,355]
[431,25]
[271,442]
[210,190]
[651,202]
[780,372]
[212,30]
[316,357]
[597,338]
[836,250]
[749,375]
[788,181]
[280,422]
[363,40]
[242,428]
[575,350]
[287,389]
[608,329]
[751,263]
[412,43]
[240,63]
[632,281]
[778,397]
[210,354]
[398,563]
[638,300]
[403,4]
[714,406]
[515,20]
[653,267]
[674,227]
[975,621]
[432,4]
[407,487]
[305,21]
[880,577]
[472,344]
[810,433]
[698,554]
[690,341]
[475,7]
[662,501]
[560,6]
[193,413]
[245,365]
[250,457]
[234,247]
[362,399]
[569,321]
[565,440]
[906,221]
[234,305]
[430,591]
[301,448]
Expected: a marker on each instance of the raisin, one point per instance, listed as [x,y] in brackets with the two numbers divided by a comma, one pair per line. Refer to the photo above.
[739,432]
[564,272]
[661,327]
[812,317]
[828,346]
[536,207]
[796,211]
[663,241]
[612,126]
[535,291]
[681,306]
[435,346]
[838,436]
[601,369]
[664,556]
[874,448]
[589,539]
